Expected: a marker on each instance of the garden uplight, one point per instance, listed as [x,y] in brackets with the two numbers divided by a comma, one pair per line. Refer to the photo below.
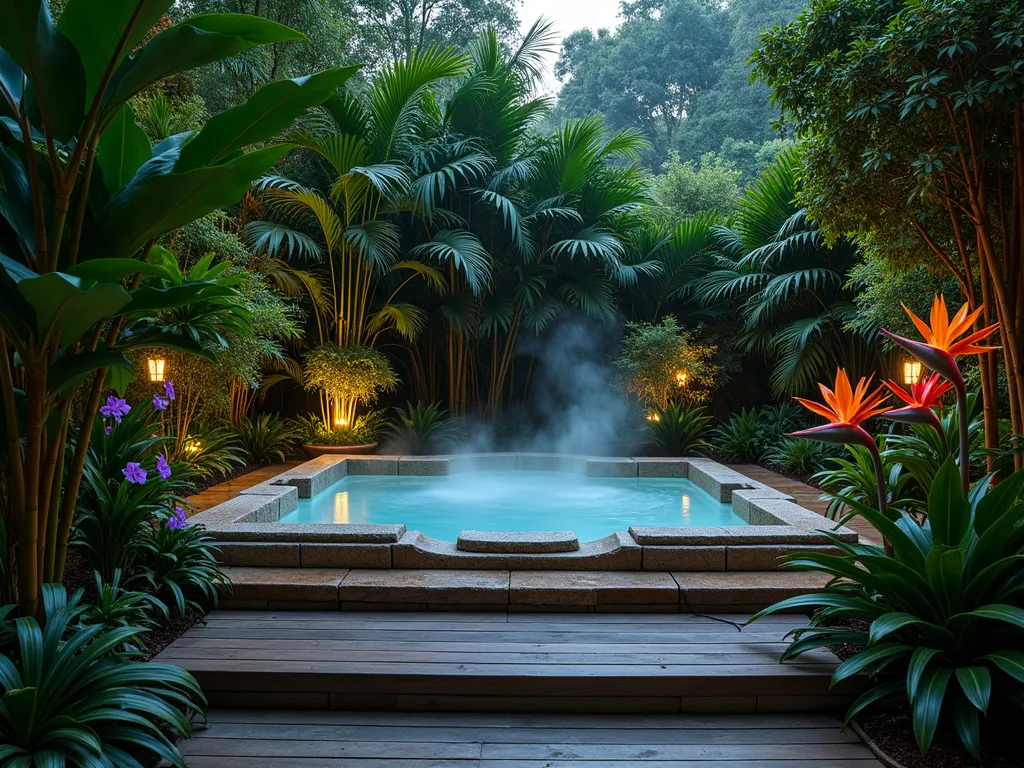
[157,366]
[681,377]
[911,372]
[653,416]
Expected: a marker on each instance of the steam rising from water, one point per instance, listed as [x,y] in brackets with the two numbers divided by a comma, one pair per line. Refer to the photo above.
[574,404]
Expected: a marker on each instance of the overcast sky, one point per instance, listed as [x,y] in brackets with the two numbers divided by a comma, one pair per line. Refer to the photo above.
[568,16]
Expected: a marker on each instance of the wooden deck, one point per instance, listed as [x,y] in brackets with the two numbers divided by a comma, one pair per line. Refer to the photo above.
[509,662]
[806,496]
[279,739]
[222,492]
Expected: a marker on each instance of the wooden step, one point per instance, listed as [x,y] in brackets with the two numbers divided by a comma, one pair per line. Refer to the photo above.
[504,662]
[282,739]
[560,591]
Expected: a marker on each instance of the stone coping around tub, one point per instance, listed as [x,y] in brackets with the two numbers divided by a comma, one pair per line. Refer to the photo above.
[248,524]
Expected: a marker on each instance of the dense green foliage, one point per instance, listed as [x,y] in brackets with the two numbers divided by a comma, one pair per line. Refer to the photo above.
[677,429]
[72,695]
[677,69]
[909,117]
[945,609]
[422,428]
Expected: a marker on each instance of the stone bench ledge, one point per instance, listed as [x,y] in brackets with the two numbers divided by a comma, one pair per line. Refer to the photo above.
[525,543]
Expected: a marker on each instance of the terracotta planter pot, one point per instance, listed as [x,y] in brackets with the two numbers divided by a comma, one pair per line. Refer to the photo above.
[320,450]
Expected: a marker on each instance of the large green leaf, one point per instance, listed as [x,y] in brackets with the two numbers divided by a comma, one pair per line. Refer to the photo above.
[945,570]
[99,32]
[113,270]
[148,299]
[949,514]
[965,720]
[192,43]
[998,501]
[976,683]
[915,669]
[151,337]
[123,149]
[71,305]
[1009,662]
[270,110]
[891,622]
[868,658]
[16,200]
[51,63]
[927,705]
[1006,613]
[17,317]
[69,371]
[163,202]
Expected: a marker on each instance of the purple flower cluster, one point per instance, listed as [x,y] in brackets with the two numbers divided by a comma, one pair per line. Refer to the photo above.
[116,408]
[134,473]
[163,467]
[177,520]
[160,402]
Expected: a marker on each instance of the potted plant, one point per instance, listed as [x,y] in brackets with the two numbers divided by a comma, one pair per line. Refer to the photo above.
[345,377]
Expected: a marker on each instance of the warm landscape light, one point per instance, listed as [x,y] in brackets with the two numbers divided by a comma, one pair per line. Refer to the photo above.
[193,446]
[911,372]
[681,377]
[156,367]
[653,416]
[339,422]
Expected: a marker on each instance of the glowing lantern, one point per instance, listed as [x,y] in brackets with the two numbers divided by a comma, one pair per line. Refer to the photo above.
[681,377]
[156,367]
[911,372]
[653,416]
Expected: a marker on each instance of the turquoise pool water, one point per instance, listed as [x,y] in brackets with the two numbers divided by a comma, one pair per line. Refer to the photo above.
[518,500]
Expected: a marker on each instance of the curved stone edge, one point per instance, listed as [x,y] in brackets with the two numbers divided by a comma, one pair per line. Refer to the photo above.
[617,552]
[517,543]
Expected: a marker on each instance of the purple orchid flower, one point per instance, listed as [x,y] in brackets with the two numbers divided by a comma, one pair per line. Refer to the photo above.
[163,467]
[109,429]
[116,408]
[160,403]
[177,520]
[169,390]
[134,473]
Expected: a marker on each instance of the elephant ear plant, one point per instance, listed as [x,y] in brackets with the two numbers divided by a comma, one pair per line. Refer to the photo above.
[944,599]
[83,198]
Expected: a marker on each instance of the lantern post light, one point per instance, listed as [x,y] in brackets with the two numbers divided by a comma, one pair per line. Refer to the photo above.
[157,367]
[911,372]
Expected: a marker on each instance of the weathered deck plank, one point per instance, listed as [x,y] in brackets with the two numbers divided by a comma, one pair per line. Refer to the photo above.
[256,739]
[571,662]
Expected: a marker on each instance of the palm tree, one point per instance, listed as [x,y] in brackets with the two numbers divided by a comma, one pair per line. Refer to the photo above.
[369,145]
[785,284]
[545,209]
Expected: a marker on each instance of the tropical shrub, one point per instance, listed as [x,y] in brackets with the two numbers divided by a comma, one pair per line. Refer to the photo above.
[368,428]
[117,607]
[422,428]
[678,430]
[266,438]
[85,197]
[178,564]
[739,438]
[945,610]
[661,363]
[797,456]
[345,377]
[943,597]
[212,449]
[853,477]
[74,696]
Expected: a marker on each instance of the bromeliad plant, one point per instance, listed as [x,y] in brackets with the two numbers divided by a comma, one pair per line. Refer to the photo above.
[944,600]
[83,198]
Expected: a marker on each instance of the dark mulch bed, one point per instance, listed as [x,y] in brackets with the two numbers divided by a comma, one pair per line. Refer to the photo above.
[79,574]
[888,725]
